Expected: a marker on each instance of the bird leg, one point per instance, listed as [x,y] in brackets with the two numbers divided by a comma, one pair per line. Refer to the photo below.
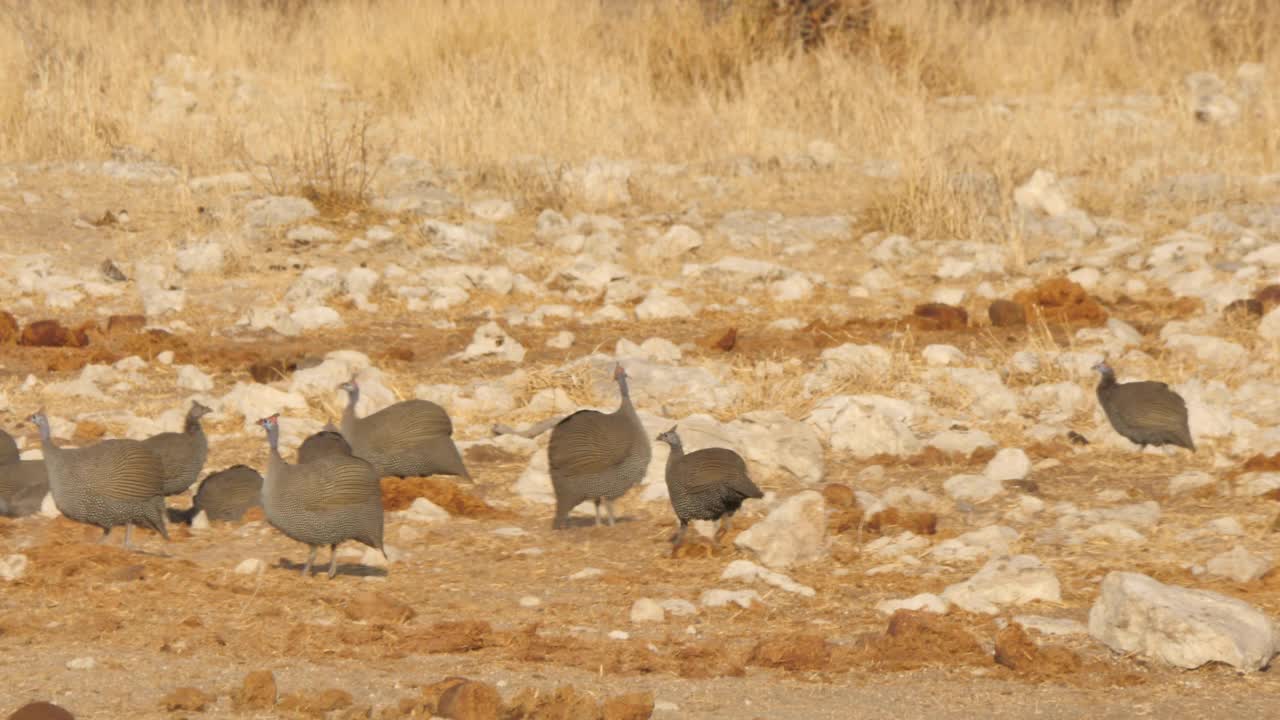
[679,536]
[106,533]
[608,506]
[333,560]
[597,512]
[128,536]
[311,558]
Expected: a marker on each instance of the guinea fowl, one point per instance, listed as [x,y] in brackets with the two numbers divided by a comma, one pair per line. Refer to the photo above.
[322,444]
[597,456]
[708,484]
[182,454]
[323,502]
[23,483]
[1147,412]
[413,438]
[224,495]
[110,483]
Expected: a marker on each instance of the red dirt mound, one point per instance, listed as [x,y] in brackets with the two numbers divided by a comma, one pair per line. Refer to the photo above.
[1059,300]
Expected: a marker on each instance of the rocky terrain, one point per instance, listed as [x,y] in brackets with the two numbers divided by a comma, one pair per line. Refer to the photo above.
[901,352]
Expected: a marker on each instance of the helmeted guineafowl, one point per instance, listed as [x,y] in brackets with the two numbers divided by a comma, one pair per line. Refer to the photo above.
[182,454]
[708,484]
[110,483]
[323,502]
[23,483]
[1147,412]
[322,444]
[412,438]
[225,495]
[597,456]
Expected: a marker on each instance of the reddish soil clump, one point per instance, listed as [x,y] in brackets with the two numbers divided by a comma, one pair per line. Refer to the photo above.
[1243,309]
[792,652]
[838,495]
[1018,652]
[8,326]
[454,636]
[632,706]
[920,523]
[939,316]
[257,692]
[915,639]
[399,493]
[186,698]
[1059,300]
[377,609]
[51,333]
[41,711]
[469,700]
[728,340]
[1269,296]
[1003,313]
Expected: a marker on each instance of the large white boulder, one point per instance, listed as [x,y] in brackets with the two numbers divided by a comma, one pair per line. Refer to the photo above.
[1180,626]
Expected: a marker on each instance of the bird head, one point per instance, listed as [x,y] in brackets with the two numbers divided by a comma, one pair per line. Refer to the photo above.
[669,437]
[39,419]
[270,422]
[199,409]
[619,373]
[350,385]
[1102,367]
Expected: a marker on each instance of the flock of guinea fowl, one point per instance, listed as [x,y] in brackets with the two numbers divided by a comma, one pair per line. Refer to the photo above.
[332,493]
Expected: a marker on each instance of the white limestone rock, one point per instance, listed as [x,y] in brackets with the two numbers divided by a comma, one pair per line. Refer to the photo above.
[13,567]
[492,342]
[1238,564]
[927,602]
[793,533]
[1008,464]
[1179,626]
[1005,581]
[274,211]
[646,610]
[866,425]
[193,378]
[972,488]
[748,571]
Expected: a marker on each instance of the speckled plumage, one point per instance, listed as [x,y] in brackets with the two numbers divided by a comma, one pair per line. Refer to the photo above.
[23,483]
[597,456]
[324,502]
[182,454]
[1147,412]
[110,483]
[228,494]
[413,438]
[708,484]
[323,444]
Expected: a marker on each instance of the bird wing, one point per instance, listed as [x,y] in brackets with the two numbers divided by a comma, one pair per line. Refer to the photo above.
[123,470]
[171,448]
[411,419]
[586,442]
[1150,403]
[339,482]
[715,469]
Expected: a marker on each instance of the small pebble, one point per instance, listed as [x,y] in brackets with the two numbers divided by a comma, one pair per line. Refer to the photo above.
[81,663]
[529,601]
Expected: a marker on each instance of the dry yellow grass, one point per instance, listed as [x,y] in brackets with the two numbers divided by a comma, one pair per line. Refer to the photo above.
[477,84]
